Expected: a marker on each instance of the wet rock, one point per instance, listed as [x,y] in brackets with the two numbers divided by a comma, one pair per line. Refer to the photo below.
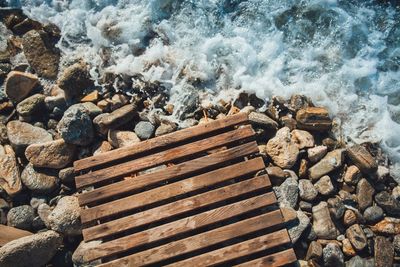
[316,153]
[357,237]
[313,118]
[302,139]
[373,214]
[352,175]
[18,85]
[325,186]
[39,180]
[314,251]
[79,256]
[330,162]
[65,217]
[22,134]
[388,226]
[349,218]
[41,54]
[122,138]
[75,79]
[390,205]
[297,227]
[76,127]
[31,105]
[322,223]
[347,248]
[282,149]
[117,118]
[10,179]
[287,193]
[307,190]
[357,261]
[54,154]
[21,217]
[365,193]
[362,159]
[30,251]
[333,255]
[263,120]
[67,175]
[384,252]
[336,207]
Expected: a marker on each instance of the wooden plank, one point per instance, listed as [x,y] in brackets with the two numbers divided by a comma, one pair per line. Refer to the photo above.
[176,208]
[199,241]
[236,251]
[166,174]
[277,259]
[8,234]
[163,157]
[178,188]
[180,226]
[160,142]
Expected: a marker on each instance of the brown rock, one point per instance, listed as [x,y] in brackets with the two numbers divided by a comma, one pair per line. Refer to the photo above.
[165,128]
[282,149]
[288,214]
[117,118]
[31,105]
[288,121]
[54,154]
[122,138]
[316,153]
[352,175]
[75,79]
[303,168]
[276,174]
[10,179]
[388,226]
[92,97]
[324,186]
[347,248]
[314,251]
[357,237]
[39,180]
[313,118]
[102,147]
[384,252]
[302,139]
[18,85]
[330,162]
[349,218]
[263,120]
[323,225]
[22,134]
[362,159]
[364,194]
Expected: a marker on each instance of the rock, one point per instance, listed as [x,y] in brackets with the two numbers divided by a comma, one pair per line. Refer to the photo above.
[65,218]
[282,149]
[76,127]
[30,105]
[262,120]
[390,205]
[18,85]
[322,223]
[307,190]
[3,134]
[396,244]
[115,119]
[75,79]
[316,153]
[297,227]
[325,186]
[302,139]
[287,193]
[102,147]
[347,248]
[22,134]
[37,200]
[79,256]
[21,217]
[396,193]
[41,54]
[67,175]
[276,174]
[289,214]
[333,256]
[357,237]
[144,130]
[314,251]
[288,121]
[373,214]
[314,119]
[30,251]
[92,109]
[357,261]
[54,154]
[352,175]
[10,179]
[388,226]
[349,218]
[382,173]
[365,193]
[91,97]
[336,207]
[165,129]
[122,138]
[330,162]
[362,159]
[39,180]
[303,168]
[384,252]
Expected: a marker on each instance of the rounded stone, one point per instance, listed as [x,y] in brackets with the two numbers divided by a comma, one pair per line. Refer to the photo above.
[19,84]
[144,130]
[39,180]
[65,217]
[21,217]
[373,214]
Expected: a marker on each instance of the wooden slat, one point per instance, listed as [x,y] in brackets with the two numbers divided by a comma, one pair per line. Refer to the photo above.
[199,241]
[166,174]
[278,259]
[171,190]
[163,157]
[8,234]
[180,226]
[176,208]
[236,251]
[159,142]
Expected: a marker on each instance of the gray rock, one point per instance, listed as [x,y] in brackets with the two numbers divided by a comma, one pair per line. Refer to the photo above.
[22,134]
[3,134]
[396,193]
[39,180]
[384,252]
[65,217]
[287,193]
[333,255]
[76,127]
[30,105]
[30,251]
[373,214]
[307,190]
[324,186]
[322,222]
[165,129]
[336,208]
[396,244]
[37,200]
[282,149]
[316,153]
[91,108]
[21,217]
[330,162]
[390,205]
[357,237]
[263,120]
[365,193]
[297,227]
[357,261]
[19,84]
[144,130]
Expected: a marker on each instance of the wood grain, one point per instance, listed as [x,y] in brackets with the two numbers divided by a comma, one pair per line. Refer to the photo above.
[277,259]
[8,234]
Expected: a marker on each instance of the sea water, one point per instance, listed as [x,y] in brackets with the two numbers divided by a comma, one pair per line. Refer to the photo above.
[344,55]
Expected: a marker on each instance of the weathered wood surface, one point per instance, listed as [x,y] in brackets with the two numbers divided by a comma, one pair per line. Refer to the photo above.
[8,234]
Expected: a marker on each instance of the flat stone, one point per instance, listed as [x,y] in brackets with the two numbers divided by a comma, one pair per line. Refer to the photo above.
[287,193]
[122,138]
[330,162]
[314,251]
[75,79]
[362,159]
[313,118]
[388,226]
[324,186]
[54,154]
[22,134]
[357,237]
[365,193]
[322,223]
[76,127]
[10,179]
[39,180]
[333,255]
[384,252]
[262,120]
[18,85]
[307,190]
[41,54]
[316,153]
[352,175]
[357,261]
[282,149]
[373,214]
[31,251]
[347,248]
[302,139]
[144,130]
[30,105]
[390,205]
[115,119]
[65,217]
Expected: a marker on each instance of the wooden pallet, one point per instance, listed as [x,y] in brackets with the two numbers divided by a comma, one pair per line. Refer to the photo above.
[195,197]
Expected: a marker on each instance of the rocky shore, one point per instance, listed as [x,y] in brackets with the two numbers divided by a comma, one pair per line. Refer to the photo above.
[339,200]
